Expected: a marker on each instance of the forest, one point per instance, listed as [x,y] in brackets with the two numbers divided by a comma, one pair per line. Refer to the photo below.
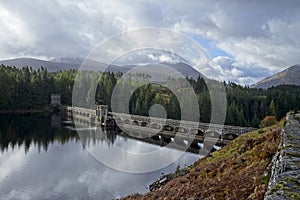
[27,89]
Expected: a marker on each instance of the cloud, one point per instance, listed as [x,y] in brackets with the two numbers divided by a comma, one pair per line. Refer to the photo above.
[57,28]
[224,61]
[256,34]
[231,71]
[162,58]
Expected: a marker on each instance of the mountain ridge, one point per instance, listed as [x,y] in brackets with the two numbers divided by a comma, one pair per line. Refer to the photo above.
[37,63]
[66,63]
[289,76]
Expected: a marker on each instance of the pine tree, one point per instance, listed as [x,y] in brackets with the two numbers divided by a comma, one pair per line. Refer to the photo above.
[272,108]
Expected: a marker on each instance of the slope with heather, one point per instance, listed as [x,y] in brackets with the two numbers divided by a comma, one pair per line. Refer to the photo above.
[240,170]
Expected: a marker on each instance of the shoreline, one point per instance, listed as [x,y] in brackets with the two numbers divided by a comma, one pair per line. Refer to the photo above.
[26,111]
[239,170]
[164,179]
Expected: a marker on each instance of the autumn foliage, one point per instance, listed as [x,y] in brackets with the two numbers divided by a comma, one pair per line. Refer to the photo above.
[268,121]
[240,170]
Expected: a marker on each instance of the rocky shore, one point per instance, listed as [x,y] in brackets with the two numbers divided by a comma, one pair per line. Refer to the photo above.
[164,179]
[240,170]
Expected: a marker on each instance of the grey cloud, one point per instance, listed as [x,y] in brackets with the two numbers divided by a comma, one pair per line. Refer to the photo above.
[63,29]
[256,34]
[243,75]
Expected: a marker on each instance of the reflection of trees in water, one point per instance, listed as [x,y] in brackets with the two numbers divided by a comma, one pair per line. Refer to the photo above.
[95,136]
[42,130]
[27,130]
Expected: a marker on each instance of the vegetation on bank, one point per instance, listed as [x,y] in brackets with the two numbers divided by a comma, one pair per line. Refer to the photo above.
[268,121]
[27,89]
[240,170]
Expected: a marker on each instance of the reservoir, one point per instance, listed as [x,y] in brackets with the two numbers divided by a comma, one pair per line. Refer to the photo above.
[41,158]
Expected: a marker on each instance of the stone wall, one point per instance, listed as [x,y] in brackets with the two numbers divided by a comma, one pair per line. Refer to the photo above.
[285,177]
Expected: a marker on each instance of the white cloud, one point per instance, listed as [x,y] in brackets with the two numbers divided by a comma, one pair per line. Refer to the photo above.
[162,58]
[14,33]
[236,72]
[231,71]
[224,61]
[256,34]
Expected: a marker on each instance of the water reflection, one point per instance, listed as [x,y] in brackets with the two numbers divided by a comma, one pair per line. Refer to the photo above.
[56,121]
[36,130]
[25,130]
[38,161]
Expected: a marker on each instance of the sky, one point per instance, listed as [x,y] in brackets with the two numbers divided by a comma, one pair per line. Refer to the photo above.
[246,40]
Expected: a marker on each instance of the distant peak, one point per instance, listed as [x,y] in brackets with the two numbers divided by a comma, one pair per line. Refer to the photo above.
[289,76]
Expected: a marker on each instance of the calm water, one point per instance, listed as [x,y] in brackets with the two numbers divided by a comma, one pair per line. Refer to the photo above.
[41,159]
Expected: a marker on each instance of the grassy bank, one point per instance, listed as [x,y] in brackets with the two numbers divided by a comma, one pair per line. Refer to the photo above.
[240,170]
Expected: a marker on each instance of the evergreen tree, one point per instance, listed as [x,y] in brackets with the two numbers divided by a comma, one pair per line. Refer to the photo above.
[272,108]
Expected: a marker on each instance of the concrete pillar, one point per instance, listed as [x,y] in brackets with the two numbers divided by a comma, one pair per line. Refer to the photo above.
[101,112]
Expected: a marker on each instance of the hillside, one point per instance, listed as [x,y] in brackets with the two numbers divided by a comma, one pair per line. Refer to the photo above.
[65,63]
[289,76]
[51,66]
[240,170]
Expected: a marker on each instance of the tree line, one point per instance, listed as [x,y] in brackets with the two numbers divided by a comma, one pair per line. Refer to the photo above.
[28,89]
[31,89]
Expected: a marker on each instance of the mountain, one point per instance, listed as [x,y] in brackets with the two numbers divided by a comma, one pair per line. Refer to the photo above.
[56,64]
[36,63]
[289,76]
[185,70]
[159,71]
[65,63]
